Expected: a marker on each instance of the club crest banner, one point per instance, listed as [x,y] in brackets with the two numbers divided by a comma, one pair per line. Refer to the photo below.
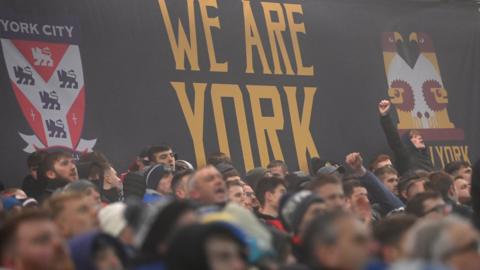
[45,69]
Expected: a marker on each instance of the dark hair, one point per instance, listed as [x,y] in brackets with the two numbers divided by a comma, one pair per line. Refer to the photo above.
[321,230]
[48,162]
[163,227]
[230,173]
[378,159]
[226,169]
[454,166]
[9,229]
[277,163]
[218,157]
[233,183]
[188,246]
[267,184]
[93,165]
[440,182]
[177,177]
[390,230]
[35,158]
[103,242]
[155,173]
[350,185]
[157,149]
[414,132]
[323,179]
[415,205]
[407,179]
[385,170]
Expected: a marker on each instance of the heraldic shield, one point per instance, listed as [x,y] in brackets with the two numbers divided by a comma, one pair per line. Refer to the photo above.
[47,79]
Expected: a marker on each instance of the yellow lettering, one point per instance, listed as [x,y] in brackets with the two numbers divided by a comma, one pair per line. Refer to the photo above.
[448,154]
[252,38]
[193,116]
[275,30]
[457,153]
[266,125]
[295,28]
[208,23]
[183,46]
[464,150]
[439,150]
[220,91]
[432,158]
[301,127]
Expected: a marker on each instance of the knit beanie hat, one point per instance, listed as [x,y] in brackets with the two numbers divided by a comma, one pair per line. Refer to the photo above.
[155,173]
[293,207]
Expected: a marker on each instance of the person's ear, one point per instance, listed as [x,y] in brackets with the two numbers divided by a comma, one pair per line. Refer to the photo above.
[51,174]
[180,193]
[452,191]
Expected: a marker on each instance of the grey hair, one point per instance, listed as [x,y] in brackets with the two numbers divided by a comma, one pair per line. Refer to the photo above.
[192,182]
[430,240]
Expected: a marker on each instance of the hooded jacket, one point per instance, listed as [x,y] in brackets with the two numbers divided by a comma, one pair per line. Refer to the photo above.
[407,157]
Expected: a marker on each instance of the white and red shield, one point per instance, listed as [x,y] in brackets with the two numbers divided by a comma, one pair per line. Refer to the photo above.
[47,79]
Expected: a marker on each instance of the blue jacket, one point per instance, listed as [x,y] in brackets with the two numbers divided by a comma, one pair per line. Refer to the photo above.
[379,194]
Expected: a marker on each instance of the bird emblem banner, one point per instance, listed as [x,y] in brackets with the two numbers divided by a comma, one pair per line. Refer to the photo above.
[416,87]
[257,80]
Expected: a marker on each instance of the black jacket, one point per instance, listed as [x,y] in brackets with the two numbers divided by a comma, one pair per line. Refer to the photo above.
[33,187]
[52,186]
[407,157]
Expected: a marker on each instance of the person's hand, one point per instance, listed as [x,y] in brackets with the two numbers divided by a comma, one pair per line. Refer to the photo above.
[384,107]
[363,209]
[354,160]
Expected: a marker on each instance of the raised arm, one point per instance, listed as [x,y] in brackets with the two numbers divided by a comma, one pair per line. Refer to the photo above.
[378,193]
[398,147]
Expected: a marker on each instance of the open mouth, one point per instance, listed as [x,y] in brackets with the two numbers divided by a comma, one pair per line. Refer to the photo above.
[220,191]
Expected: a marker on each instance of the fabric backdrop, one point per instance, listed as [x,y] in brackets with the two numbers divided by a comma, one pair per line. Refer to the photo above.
[258,80]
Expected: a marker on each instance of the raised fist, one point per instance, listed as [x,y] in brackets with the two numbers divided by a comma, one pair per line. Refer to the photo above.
[384,107]
[354,161]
